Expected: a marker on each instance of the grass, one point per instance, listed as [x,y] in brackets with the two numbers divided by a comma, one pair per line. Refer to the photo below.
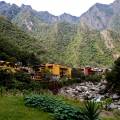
[12,108]
[112,118]
[113,115]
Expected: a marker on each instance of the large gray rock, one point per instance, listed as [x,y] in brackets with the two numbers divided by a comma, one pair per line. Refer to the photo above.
[113,106]
[115,97]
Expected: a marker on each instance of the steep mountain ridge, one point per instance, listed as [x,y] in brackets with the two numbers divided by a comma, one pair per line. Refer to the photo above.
[97,16]
[11,11]
[101,16]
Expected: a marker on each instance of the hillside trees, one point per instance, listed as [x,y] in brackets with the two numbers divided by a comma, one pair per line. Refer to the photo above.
[14,44]
[113,77]
[10,80]
[11,53]
[6,78]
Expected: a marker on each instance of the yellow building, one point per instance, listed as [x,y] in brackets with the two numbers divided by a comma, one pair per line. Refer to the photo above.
[59,70]
[53,70]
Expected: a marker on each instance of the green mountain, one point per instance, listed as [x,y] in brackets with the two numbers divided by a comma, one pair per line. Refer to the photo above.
[86,40]
[14,44]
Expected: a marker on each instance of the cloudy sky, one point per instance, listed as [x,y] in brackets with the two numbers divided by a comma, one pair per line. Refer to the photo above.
[57,7]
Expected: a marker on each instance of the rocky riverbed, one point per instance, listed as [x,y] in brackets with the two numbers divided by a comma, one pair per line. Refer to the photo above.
[91,91]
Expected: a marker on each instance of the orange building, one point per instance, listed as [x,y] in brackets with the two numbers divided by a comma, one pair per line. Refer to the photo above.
[59,70]
[55,70]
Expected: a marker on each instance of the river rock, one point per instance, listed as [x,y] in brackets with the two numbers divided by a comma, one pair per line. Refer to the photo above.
[113,106]
[115,97]
[91,91]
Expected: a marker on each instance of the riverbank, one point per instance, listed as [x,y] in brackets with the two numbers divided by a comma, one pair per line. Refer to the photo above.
[91,91]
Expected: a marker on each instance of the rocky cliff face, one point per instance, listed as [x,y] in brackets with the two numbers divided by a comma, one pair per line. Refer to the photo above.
[101,17]
[11,11]
[97,17]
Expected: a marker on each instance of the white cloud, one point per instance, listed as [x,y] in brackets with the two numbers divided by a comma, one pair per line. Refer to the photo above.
[57,7]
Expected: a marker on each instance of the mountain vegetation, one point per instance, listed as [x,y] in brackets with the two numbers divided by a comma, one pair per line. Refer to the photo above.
[91,39]
[14,44]
[113,77]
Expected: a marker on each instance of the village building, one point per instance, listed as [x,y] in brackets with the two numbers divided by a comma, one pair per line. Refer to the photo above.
[56,71]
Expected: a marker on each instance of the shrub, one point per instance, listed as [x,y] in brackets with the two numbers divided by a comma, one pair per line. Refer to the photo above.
[22,80]
[113,77]
[11,80]
[6,78]
[67,112]
[93,78]
[91,111]
[62,110]
[107,103]
[23,77]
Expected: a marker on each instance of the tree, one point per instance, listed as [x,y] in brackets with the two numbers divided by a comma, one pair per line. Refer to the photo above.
[12,59]
[113,77]
[6,78]
[93,77]
[23,77]
[23,80]
[3,56]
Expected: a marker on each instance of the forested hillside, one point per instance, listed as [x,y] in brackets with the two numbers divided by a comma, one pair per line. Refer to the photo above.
[86,40]
[14,44]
